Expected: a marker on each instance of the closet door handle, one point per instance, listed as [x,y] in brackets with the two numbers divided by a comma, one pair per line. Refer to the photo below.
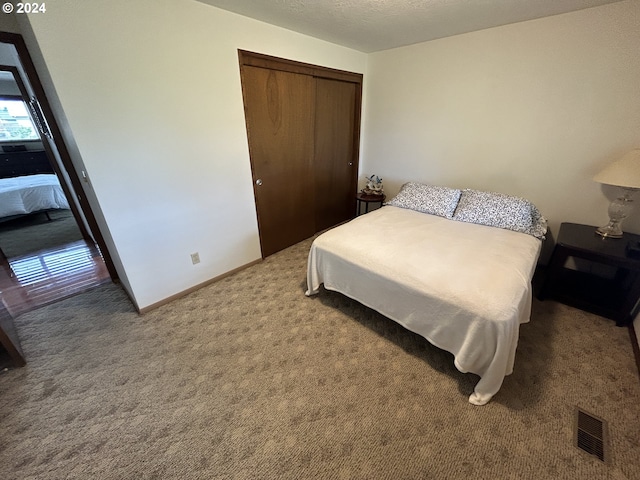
[351,164]
[259,182]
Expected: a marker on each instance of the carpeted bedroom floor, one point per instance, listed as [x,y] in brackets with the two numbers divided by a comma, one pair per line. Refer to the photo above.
[249,379]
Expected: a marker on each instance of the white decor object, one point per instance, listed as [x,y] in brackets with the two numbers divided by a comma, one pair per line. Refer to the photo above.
[374,186]
[623,173]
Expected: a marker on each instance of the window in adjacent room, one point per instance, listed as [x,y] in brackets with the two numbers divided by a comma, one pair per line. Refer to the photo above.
[15,123]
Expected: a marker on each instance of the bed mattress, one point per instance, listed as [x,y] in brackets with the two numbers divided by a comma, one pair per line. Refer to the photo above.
[466,288]
[29,194]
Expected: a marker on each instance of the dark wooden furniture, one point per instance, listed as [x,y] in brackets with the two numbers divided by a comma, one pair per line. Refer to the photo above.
[9,342]
[367,199]
[605,279]
[15,164]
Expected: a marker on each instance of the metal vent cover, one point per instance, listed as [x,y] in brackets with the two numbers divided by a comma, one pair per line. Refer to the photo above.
[590,434]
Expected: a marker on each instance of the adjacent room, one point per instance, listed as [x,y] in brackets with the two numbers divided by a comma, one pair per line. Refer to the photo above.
[46,249]
[254,330]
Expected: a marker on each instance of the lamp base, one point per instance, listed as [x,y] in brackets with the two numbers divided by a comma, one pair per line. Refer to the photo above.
[618,210]
[609,231]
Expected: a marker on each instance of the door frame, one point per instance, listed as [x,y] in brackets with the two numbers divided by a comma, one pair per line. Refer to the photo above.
[56,137]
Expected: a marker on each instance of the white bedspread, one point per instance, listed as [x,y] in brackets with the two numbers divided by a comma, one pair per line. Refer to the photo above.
[464,287]
[30,193]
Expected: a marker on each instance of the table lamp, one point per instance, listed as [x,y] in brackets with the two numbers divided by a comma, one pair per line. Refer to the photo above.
[623,173]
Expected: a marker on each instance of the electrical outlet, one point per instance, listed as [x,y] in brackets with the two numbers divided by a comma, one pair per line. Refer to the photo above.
[195,258]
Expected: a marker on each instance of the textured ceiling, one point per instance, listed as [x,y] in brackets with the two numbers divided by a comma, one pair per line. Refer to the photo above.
[373,25]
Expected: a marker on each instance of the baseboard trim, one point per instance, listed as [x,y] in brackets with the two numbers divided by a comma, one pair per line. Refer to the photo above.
[170,299]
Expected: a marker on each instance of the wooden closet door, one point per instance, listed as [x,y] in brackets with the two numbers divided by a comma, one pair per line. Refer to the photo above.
[279,110]
[335,166]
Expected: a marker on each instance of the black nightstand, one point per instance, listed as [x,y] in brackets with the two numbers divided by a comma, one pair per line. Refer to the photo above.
[609,285]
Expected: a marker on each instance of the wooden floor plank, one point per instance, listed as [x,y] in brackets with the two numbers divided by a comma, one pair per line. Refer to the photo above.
[32,281]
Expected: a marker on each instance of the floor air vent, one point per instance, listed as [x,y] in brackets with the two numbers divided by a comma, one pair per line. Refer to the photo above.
[591,434]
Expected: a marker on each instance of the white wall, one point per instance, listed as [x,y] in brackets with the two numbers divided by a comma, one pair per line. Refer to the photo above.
[8,23]
[151,91]
[9,87]
[533,109]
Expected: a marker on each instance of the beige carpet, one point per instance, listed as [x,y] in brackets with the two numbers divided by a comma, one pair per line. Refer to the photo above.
[249,379]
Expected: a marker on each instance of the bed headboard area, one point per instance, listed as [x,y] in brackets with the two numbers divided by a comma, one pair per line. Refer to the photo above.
[16,164]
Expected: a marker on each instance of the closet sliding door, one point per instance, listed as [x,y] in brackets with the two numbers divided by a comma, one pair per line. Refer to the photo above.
[303,127]
[334,174]
[280,134]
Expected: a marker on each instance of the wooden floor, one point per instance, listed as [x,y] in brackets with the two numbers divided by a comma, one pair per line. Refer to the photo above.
[41,278]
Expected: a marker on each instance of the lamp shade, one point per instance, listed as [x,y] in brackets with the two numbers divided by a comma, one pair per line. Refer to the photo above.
[622,173]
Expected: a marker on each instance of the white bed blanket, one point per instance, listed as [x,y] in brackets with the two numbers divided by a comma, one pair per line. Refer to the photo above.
[30,193]
[466,288]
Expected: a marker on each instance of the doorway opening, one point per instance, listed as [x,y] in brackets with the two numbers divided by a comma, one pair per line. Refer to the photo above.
[50,243]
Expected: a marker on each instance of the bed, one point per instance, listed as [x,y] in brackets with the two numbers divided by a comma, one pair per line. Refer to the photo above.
[29,194]
[28,184]
[454,266]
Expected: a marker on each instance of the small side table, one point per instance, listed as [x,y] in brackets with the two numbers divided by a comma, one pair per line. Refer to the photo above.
[367,199]
[614,295]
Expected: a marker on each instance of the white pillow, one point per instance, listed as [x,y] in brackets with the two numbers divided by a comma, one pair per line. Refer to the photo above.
[430,199]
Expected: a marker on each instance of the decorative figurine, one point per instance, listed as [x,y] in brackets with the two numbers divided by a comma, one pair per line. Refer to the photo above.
[374,186]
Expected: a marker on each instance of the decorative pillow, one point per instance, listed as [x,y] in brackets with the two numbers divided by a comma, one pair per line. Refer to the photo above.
[502,211]
[430,199]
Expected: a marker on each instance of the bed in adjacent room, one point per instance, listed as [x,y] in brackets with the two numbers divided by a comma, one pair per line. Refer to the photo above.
[454,266]
[28,184]
[30,194]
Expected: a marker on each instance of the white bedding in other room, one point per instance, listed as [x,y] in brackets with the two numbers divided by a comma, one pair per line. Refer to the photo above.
[464,287]
[30,193]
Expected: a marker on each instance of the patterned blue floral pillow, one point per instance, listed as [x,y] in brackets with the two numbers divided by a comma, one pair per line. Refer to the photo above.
[430,199]
[502,211]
